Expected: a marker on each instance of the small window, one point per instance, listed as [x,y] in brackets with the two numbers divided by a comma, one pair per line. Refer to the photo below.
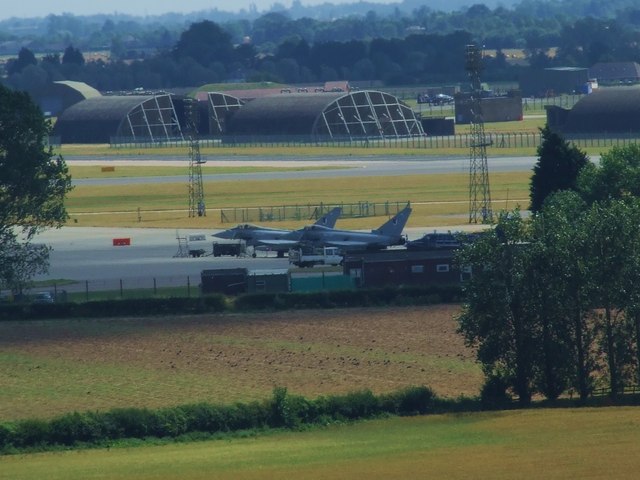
[417,268]
[442,268]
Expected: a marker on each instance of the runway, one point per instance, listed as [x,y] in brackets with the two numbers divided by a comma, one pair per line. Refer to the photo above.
[352,167]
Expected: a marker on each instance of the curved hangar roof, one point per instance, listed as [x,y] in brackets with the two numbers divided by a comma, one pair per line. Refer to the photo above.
[615,109]
[141,118]
[364,113]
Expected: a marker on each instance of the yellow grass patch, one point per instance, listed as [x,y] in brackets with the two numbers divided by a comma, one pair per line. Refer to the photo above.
[60,366]
[437,199]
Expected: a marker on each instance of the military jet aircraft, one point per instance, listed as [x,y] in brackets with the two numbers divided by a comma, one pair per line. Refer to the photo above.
[388,234]
[257,236]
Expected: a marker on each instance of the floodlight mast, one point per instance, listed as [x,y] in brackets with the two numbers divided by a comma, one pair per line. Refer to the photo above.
[479,192]
[196,189]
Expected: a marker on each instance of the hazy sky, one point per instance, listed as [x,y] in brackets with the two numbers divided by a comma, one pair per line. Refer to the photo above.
[42,8]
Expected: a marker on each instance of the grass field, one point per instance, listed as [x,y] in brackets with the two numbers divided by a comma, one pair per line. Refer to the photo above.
[550,444]
[51,367]
[437,199]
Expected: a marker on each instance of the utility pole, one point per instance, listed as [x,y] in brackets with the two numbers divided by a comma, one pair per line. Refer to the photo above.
[196,189]
[479,192]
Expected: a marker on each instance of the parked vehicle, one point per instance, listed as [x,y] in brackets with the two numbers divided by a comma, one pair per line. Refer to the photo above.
[319,256]
[43,297]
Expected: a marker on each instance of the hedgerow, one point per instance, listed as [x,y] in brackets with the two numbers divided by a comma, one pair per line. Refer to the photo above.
[408,295]
[282,410]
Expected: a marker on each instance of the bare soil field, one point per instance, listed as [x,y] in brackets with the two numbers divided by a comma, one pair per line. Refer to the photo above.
[52,367]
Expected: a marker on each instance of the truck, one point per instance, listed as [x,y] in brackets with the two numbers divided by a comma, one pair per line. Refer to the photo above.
[318,256]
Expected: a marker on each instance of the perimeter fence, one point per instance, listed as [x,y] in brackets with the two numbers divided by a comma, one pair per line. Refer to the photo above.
[461,141]
[309,211]
[115,288]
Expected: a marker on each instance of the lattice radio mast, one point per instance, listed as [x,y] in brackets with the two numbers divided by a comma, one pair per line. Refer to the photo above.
[196,189]
[479,192]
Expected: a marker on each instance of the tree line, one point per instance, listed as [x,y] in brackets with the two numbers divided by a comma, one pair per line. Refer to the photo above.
[424,47]
[554,304]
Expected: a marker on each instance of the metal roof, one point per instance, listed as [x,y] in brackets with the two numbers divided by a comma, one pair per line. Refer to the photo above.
[104,108]
[286,113]
[615,71]
[97,119]
[87,91]
[615,109]
[357,114]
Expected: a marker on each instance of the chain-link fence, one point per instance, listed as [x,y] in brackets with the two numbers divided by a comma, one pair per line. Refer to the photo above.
[498,140]
[111,289]
[308,212]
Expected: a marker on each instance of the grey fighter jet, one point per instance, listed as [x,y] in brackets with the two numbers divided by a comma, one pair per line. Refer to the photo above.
[257,236]
[389,234]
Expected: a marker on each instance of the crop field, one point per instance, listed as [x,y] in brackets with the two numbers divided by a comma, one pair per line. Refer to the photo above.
[533,444]
[52,367]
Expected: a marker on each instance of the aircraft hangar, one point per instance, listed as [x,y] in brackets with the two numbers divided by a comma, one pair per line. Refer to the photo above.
[325,115]
[606,110]
[132,117]
[315,116]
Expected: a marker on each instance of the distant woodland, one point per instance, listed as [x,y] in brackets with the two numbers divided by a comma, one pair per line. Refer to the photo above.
[403,43]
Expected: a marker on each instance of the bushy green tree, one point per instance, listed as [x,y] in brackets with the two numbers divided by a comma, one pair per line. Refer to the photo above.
[33,185]
[498,314]
[616,176]
[566,289]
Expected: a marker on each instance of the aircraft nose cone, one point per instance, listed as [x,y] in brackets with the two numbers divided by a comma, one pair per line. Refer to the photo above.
[226,234]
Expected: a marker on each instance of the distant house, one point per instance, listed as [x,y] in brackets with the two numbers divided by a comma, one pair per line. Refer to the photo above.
[615,73]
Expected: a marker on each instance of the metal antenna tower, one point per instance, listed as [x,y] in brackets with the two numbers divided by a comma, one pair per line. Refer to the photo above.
[196,189]
[479,193]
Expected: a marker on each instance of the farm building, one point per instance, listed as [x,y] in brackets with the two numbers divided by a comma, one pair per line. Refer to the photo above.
[403,267]
[137,118]
[494,109]
[325,115]
[606,110]
[58,96]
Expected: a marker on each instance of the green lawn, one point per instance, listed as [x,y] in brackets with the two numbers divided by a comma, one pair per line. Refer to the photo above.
[550,444]
[437,199]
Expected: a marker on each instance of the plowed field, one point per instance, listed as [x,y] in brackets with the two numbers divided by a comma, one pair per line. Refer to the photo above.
[58,366]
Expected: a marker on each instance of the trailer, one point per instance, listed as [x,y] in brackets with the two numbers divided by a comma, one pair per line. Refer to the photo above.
[320,256]
[234,249]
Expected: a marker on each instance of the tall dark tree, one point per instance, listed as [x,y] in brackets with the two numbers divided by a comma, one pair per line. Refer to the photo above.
[25,58]
[558,166]
[33,184]
[206,43]
[613,228]
[72,56]
[566,291]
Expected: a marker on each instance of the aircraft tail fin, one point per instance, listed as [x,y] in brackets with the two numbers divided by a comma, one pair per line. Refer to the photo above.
[329,220]
[394,227]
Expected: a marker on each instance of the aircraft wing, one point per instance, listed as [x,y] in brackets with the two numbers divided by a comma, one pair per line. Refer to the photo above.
[279,243]
[346,244]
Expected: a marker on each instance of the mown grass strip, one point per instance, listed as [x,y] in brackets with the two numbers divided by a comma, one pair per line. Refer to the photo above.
[437,199]
[550,444]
